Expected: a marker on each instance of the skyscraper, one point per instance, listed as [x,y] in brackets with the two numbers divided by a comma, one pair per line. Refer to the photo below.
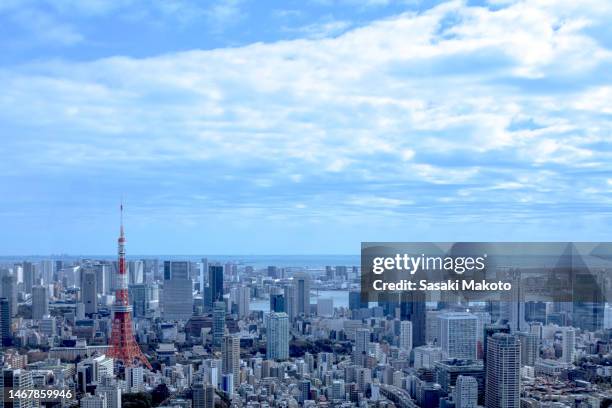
[405,339]
[9,291]
[218,323]
[203,395]
[277,303]
[503,371]
[215,283]
[360,350]
[458,335]
[5,322]
[290,301]
[178,291]
[40,302]
[277,336]
[242,297]
[90,292]
[568,344]
[231,358]
[530,348]
[139,298]
[301,282]
[412,307]
[29,271]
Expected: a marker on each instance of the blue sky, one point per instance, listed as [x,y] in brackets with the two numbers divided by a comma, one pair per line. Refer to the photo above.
[297,127]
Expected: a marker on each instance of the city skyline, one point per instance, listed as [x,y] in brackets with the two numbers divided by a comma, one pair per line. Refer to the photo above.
[302,127]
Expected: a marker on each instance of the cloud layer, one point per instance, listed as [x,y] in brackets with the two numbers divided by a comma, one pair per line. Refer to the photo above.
[456,122]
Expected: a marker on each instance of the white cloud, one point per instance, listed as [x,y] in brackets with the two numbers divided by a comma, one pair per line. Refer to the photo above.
[423,99]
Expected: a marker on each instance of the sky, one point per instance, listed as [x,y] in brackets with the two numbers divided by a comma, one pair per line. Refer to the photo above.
[302,127]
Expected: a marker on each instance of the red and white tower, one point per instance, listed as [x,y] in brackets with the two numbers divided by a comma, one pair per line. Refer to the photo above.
[123,346]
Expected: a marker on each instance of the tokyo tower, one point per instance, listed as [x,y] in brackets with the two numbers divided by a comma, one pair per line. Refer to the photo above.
[123,346]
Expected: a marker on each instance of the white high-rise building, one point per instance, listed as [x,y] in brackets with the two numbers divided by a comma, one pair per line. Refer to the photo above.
[568,344]
[502,375]
[465,393]
[405,340]
[134,378]
[277,336]
[458,335]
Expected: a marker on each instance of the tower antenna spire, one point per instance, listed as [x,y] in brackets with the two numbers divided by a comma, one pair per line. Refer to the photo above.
[124,347]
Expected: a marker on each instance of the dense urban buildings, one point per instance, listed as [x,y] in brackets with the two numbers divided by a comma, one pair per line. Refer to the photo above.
[285,336]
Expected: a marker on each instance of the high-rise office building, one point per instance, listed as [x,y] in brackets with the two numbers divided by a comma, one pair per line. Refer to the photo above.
[301,283]
[90,292]
[568,344]
[360,350]
[458,335]
[215,283]
[465,393]
[405,338]
[277,303]
[178,291]
[9,291]
[203,395]
[490,330]
[40,302]
[139,299]
[412,307]
[29,272]
[503,371]
[530,348]
[231,358]
[277,336]
[5,322]
[241,298]
[290,301]
[218,323]
[304,395]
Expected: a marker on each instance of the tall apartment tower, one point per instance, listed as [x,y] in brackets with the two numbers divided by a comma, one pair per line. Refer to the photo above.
[502,375]
[90,292]
[458,337]
[277,336]
[568,345]
[231,358]
[360,350]
[40,302]
[405,340]
[218,324]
